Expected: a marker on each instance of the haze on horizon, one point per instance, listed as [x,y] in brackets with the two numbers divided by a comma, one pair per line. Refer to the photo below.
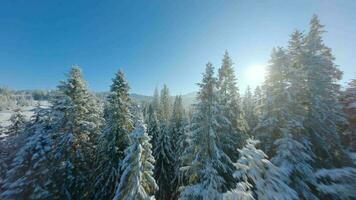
[158,42]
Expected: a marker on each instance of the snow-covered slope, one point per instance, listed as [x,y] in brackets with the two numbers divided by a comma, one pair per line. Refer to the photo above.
[27,111]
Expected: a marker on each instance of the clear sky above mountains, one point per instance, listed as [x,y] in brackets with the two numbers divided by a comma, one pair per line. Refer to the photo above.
[158,42]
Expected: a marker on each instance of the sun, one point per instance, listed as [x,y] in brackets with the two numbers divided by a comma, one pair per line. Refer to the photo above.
[255,74]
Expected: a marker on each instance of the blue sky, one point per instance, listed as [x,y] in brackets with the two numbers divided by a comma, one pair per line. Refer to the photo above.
[157,42]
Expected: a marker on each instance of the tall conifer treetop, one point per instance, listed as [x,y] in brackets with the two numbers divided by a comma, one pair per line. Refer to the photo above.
[137,182]
[115,138]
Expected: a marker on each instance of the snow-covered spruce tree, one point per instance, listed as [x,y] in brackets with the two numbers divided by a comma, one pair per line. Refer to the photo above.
[77,122]
[295,159]
[12,139]
[260,177]
[18,121]
[153,125]
[186,155]
[153,128]
[164,167]
[144,106]
[293,149]
[232,133]
[114,139]
[163,154]
[276,114]
[349,103]
[155,102]
[3,158]
[321,99]
[248,108]
[177,122]
[257,101]
[29,174]
[337,183]
[137,182]
[165,106]
[208,169]
[177,127]
[281,127]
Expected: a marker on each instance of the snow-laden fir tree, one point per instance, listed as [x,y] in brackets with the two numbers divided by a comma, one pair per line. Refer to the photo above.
[324,111]
[232,133]
[164,167]
[18,122]
[12,139]
[186,143]
[3,158]
[163,152]
[208,168]
[257,102]
[276,108]
[349,102]
[248,108]
[114,139]
[259,178]
[295,159]
[294,155]
[29,175]
[136,181]
[76,126]
[165,106]
[337,183]
[177,122]
[177,127]
[281,127]
[155,102]
[153,125]
[153,128]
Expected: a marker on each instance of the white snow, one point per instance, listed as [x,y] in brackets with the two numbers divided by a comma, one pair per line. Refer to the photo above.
[27,111]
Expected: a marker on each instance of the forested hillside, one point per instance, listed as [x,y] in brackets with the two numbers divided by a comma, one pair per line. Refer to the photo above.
[291,138]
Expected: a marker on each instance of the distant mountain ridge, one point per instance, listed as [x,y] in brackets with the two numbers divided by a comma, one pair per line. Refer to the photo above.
[40,95]
[187,99]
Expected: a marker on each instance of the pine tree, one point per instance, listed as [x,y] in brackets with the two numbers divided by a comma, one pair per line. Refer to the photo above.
[29,176]
[349,106]
[324,111]
[177,128]
[281,127]
[115,138]
[155,102]
[153,126]
[294,154]
[276,107]
[17,125]
[248,108]
[165,105]
[137,182]
[177,121]
[257,103]
[186,155]
[3,159]
[209,169]
[164,168]
[163,152]
[233,132]
[77,122]
[295,159]
[337,183]
[12,139]
[260,177]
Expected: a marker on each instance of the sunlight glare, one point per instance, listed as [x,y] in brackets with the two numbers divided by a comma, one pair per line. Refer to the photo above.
[255,74]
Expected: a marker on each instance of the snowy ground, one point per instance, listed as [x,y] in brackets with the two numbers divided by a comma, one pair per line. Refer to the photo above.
[26,111]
